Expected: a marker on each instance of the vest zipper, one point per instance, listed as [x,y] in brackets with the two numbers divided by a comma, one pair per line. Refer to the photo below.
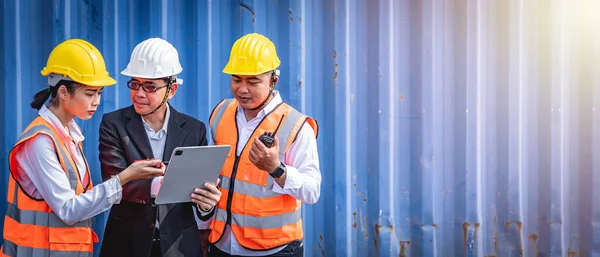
[231,189]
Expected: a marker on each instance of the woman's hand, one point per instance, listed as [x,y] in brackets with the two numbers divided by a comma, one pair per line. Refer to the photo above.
[142,169]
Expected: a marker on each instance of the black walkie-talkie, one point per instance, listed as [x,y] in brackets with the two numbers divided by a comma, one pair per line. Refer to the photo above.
[268,138]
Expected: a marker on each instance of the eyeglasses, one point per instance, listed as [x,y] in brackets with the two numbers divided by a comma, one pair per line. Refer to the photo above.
[146,86]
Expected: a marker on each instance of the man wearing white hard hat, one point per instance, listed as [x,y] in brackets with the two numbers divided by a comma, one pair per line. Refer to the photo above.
[149,128]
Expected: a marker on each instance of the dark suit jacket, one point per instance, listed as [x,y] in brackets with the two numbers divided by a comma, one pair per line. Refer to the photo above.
[130,227]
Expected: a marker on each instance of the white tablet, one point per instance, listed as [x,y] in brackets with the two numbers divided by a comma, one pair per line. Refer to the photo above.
[189,168]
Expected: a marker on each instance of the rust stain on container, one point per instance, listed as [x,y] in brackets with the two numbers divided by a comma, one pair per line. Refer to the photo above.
[495,238]
[432,225]
[376,237]
[320,245]
[465,227]
[476,227]
[572,253]
[354,218]
[534,237]
[299,83]
[335,74]
[520,234]
[401,96]
[364,225]
[507,225]
[290,12]
[403,246]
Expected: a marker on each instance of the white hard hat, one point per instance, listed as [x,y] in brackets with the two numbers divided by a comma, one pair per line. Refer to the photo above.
[152,59]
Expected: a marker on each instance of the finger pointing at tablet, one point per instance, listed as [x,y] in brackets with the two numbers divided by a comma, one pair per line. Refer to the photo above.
[142,169]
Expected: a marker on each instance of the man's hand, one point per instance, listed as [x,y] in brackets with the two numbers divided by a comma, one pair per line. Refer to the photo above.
[264,158]
[207,198]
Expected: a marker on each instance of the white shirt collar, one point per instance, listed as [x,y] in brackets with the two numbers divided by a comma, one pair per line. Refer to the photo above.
[163,130]
[74,132]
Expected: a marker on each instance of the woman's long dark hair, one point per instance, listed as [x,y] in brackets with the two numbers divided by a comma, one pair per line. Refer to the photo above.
[40,97]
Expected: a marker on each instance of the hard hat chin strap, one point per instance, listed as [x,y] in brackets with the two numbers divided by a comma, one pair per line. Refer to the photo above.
[164,100]
[274,79]
[264,102]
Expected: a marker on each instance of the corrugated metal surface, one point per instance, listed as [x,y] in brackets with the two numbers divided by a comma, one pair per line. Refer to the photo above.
[448,128]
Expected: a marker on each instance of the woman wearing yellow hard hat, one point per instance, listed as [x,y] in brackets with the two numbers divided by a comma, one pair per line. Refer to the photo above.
[50,196]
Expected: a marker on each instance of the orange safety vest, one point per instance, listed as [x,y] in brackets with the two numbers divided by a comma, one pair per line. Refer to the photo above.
[259,218]
[31,228]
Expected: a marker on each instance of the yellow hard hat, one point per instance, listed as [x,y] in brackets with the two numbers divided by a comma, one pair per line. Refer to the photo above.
[80,61]
[252,54]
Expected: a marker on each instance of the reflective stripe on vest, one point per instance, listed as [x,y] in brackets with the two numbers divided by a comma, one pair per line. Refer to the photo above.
[31,228]
[217,115]
[28,217]
[259,218]
[268,222]
[69,164]
[10,247]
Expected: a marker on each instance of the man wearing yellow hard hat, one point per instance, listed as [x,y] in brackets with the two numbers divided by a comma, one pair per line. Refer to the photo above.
[262,188]
[51,200]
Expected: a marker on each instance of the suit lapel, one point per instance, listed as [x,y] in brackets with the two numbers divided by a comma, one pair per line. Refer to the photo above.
[138,135]
[175,134]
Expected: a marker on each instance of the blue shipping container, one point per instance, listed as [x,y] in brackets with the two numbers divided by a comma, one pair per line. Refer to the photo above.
[448,128]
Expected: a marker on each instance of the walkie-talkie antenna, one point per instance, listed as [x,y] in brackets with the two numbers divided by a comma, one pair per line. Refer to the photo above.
[268,138]
[277,128]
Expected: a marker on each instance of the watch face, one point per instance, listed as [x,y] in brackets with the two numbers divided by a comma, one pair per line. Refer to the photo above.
[278,172]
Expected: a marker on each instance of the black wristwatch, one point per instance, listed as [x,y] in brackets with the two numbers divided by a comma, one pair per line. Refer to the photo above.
[277,173]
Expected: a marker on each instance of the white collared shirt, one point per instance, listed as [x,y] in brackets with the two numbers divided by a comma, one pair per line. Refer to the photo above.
[158,139]
[42,176]
[303,175]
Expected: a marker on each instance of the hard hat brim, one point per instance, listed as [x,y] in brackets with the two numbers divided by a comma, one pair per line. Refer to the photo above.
[242,73]
[108,81]
[145,76]
[100,83]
